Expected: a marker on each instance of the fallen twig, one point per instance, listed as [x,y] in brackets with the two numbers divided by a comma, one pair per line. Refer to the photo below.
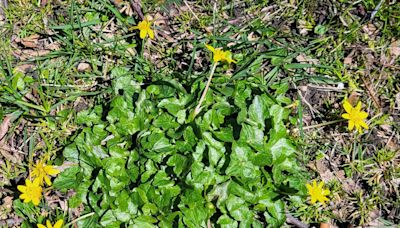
[372,94]
[294,221]
[137,8]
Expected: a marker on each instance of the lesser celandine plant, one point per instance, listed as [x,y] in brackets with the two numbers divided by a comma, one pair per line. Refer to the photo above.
[42,171]
[355,116]
[317,192]
[58,224]
[145,28]
[31,191]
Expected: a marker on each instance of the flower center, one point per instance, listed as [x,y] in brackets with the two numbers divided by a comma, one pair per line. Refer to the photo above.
[219,55]
[33,191]
[355,115]
[144,25]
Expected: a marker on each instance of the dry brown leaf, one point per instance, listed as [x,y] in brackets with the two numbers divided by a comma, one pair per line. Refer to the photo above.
[24,67]
[348,60]
[7,202]
[30,41]
[349,186]
[4,128]
[28,54]
[4,148]
[53,46]
[370,29]
[353,98]
[5,152]
[83,67]
[395,48]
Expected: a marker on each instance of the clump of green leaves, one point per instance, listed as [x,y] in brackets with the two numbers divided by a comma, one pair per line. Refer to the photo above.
[143,161]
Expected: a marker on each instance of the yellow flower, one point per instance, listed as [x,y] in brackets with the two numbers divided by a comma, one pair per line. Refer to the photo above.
[145,28]
[41,172]
[355,116]
[317,193]
[220,55]
[58,224]
[31,191]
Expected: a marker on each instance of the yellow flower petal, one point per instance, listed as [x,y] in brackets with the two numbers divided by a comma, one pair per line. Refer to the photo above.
[209,47]
[28,182]
[35,201]
[364,125]
[309,187]
[47,180]
[48,224]
[326,192]
[51,170]
[229,59]
[143,34]
[351,125]
[363,115]
[313,200]
[23,196]
[314,184]
[151,33]
[36,182]
[346,116]
[347,106]
[58,224]
[40,226]
[323,199]
[21,188]
[358,107]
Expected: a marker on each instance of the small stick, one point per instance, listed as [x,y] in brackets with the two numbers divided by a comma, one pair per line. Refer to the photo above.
[372,94]
[80,218]
[203,96]
[190,9]
[136,7]
[292,220]
[312,110]
[320,125]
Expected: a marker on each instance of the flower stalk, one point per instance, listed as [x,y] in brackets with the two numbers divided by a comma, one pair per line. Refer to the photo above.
[203,95]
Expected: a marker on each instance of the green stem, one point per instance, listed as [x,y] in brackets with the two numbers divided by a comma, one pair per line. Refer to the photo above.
[80,218]
[203,96]
[142,49]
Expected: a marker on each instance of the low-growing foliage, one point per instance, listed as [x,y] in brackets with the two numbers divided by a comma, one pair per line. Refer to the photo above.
[142,161]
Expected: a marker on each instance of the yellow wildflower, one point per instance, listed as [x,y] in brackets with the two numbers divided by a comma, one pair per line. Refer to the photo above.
[317,193]
[41,172]
[58,224]
[220,55]
[31,191]
[355,116]
[145,28]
